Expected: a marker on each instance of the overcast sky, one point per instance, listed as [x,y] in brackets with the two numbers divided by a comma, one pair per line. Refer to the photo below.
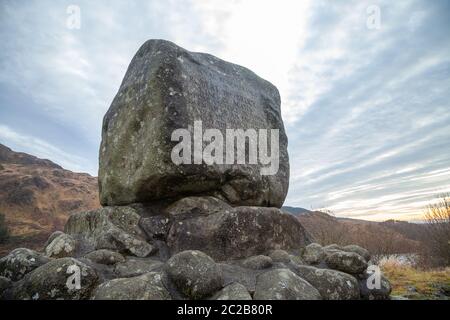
[366,106]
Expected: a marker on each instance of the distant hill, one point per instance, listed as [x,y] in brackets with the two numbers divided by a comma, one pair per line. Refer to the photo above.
[37,196]
[379,237]
[296,211]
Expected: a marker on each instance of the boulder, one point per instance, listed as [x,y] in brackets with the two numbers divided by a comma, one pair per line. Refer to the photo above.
[104,256]
[234,291]
[313,253]
[113,228]
[257,262]
[61,246]
[155,227]
[237,274]
[148,286]
[331,284]
[52,237]
[56,280]
[166,88]
[194,274]
[239,233]
[283,284]
[19,262]
[359,250]
[280,256]
[348,262]
[197,206]
[133,267]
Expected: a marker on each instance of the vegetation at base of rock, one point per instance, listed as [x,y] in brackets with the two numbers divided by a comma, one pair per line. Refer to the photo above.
[416,283]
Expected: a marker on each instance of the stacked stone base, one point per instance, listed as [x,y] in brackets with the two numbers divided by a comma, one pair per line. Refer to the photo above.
[193,248]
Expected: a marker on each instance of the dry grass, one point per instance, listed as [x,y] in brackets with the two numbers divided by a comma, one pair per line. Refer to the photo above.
[427,283]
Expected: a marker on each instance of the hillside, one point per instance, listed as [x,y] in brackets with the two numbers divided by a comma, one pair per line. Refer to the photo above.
[37,196]
[378,237]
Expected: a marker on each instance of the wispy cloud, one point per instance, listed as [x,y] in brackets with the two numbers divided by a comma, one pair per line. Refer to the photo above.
[43,149]
[367,112]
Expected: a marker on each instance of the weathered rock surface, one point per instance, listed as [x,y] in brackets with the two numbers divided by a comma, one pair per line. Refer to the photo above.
[167,88]
[331,284]
[194,273]
[50,282]
[280,256]
[239,233]
[359,250]
[104,256]
[5,283]
[19,262]
[145,287]
[234,291]
[133,267]
[313,253]
[283,284]
[113,228]
[257,262]
[61,246]
[348,262]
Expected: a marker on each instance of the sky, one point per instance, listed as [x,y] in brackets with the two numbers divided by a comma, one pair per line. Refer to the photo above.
[365,86]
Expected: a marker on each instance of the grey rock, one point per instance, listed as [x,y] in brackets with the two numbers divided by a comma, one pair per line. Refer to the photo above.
[5,283]
[283,284]
[239,233]
[234,291]
[19,262]
[52,237]
[50,282]
[296,260]
[104,256]
[133,267]
[194,273]
[331,284]
[113,228]
[257,262]
[348,262]
[359,250]
[196,206]
[148,286]
[167,88]
[61,246]
[333,247]
[313,253]
[280,256]
[237,274]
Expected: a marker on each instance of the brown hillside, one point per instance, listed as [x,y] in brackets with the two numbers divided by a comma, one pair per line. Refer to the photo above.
[37,196]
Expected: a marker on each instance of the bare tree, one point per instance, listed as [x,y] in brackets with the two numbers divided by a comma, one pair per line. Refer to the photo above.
[437,217]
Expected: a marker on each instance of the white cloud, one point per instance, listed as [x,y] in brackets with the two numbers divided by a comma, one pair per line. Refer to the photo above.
[42,149]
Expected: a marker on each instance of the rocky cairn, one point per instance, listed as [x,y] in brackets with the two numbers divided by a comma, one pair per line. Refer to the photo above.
[189,231]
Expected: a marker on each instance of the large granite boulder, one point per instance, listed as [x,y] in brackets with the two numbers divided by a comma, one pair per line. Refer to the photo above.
[240,232]
[166,88]
[194,274]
